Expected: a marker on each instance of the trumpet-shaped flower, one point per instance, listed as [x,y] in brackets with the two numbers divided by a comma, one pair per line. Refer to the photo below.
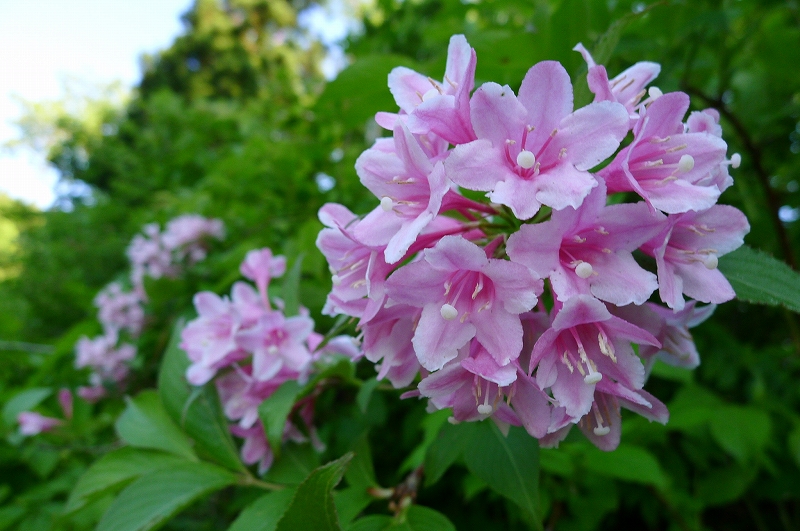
[463,294]
[588,250]
[531,148]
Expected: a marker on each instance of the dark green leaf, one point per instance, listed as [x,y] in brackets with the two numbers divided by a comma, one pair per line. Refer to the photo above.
[196,410]
[444,451]
[146,424]
[154,498]
[722,486]
[264,513]
[114,469]
[419,518]
[295,463]
[350,502]
[761,279]
[361,472]
[628,463]
[741,431]
[365,393]
[312,506]
[509,464]
[274,411]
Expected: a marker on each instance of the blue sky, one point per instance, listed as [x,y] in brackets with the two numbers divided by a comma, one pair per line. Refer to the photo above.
[42,42]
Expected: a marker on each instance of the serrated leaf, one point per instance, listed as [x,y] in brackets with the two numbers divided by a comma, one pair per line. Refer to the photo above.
[274,411]
[628,463]
[295,463]
[508,464]
[312,506]
[146,424]
[761,279]
[153,499]
[24,401]
[264,513]
[196,410]
[350,502]
[742,431]
[115,469]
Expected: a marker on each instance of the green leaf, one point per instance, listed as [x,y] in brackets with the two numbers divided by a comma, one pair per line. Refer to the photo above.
[290,288]
[350,502]
[296,462]
[509,464]
[153,499]
[312,506]
[722,486]
[628,463]
[443,452]
[361,472]
[761,279]
[742,431]
[264,513]
[196,410]
[365,393]
[146,424]
[115,469]
[419,518]
[375,522]
[24,401]
[274,411]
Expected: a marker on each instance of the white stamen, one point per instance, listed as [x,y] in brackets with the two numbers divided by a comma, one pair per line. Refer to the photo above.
[453,421]
[654,93]
[526,159]
[449,312]
[736,160]
[711,261]
[431,93]
[485,409]
[593,377]
[584,270]
[336,280]
[272,350]
[387,204]
[602,430]
[686,163]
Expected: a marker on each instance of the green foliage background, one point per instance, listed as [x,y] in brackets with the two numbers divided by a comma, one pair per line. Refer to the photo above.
[236,121]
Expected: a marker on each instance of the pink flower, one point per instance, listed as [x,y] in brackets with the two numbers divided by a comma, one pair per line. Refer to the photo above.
[260,266]
[387,341]
[532,149]
[463,294]
[32,423]
[434,107]
[209,340]
[588,250]
[120,310]
[627,88]
[671,169]
[277,342]
[586,345]
[687,253]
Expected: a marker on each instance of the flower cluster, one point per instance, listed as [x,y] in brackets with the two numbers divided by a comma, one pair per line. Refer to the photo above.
[259,348]
[525,307]
[157,254]
[121,313]
[34,423]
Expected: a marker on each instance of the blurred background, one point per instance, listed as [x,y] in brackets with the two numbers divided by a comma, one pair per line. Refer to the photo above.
[116,114]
